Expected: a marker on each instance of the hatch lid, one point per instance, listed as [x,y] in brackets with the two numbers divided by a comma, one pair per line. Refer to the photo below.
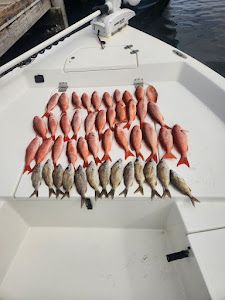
[95,58]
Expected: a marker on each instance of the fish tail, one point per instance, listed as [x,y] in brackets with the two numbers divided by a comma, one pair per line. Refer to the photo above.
[97,195]
[124,192]
[27,168]
[152,156]
[46,114]
[66,138]
[100,135]
[50,192]
[66,194]
[111,193]
[97,160]
[140,155]
[106,157]
[155,193]
[193,200]
[103,192]
[74,137]
[128,153]
[166,192]
[140,189]
[35,193]
[58,192]
[183,160]
[169,155]
[85,164]
[31,170]
[127,126]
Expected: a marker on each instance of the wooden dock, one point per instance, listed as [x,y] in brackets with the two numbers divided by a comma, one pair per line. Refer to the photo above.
[18,16]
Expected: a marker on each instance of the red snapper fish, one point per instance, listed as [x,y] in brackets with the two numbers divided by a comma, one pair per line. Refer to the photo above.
[100,122]
[63,102]
[122,141]
[181,143]
[71,152]
[82,148]
[150,138]
[40,127]
[107,100]
[136,140]
[166,141]
[140,93]
[151,94]
[57,149]
[93,142]
[107,144]
[156,115]
[65,126]
[43,151]
[52,125]
[76,101]
[52,102]
[30,153]
[75,124]
[96,100]
[131,113]
[86,102]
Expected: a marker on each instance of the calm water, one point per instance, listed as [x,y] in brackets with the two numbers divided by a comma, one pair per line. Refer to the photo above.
[196,27]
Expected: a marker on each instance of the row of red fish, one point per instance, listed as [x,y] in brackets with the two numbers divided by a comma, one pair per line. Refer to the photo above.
[90,144]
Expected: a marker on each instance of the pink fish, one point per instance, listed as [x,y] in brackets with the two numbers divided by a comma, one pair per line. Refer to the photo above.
[93,142]
[150,138]
[43,150]
[166,141]
[181,143]
[96,100]
[52,125]
[107,99]
[131,113]
[136,140]
[40,127]
[86,102]
[63,102]
[122,141]
[141,111]
[76,101]
[82,148]
[57,149]
[65,126]
[151,93]
[111,117]
[117,96]
[127,96]
[75,124]
[140,93]
[155,114]
[89,123]
[107,144]
[121,113]
[52,102]
[71,152]
[30,153]
[100,122]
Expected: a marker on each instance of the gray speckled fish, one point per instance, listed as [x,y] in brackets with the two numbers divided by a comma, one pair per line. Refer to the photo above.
[128,177]
[36,179]
[163,173]
[80,180]
[47,176]
[93,178]
[68,180]
[104,177]
[139,175]
[58,179]
[180,184]
[150,177]
[116,176]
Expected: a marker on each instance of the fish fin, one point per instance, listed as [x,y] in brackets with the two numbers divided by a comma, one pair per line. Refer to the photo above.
[103,192]
[183,160]
[166,192]
[97,160]
[124,192]
[27,168]
[155,193]
[66,138]
[35,193]
[152,156]
[111,193]
[106,157]
[127,126]
[53,137]
[58,192]
[74,137]
[169,155]
[85,164]
[140,189]
[166,126]
[140,155]
[97,195]
[51,191]
[88,203]
[193,200]
[66,194]
[128,153]
[46,114]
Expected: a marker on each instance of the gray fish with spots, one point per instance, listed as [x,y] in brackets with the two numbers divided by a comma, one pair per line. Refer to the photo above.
[68,180]
[93,178]
[163,173]
[47,176]
[57,176]
[116,176]
[128,177]
[180,184]
[150,177]
[80,180]
[139,175]
[36,179]
[104,177]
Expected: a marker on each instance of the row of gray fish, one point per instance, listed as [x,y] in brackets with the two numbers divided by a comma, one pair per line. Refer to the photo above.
[105,175]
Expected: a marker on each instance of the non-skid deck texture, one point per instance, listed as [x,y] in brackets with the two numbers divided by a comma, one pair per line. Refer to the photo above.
[75,263]
[178,105]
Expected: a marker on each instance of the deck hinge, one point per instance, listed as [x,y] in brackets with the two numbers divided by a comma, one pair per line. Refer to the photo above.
[62,87]
[138,82]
